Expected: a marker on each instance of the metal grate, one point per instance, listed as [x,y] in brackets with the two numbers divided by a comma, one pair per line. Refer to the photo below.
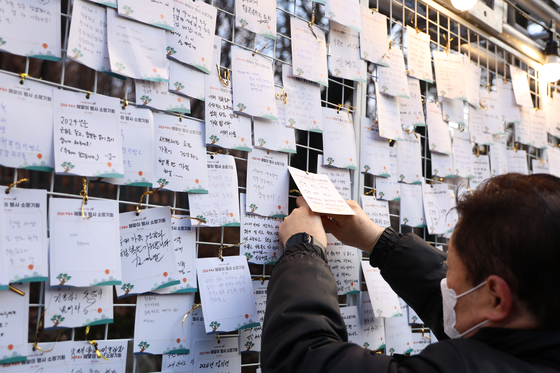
[491,55]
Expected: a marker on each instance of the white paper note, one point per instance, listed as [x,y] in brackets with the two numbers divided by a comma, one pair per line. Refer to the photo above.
[260,234]
[158,326]
[409,160]
[250,338]
[184,244]
[344,262]
[84,251]
[85,359]
[521,87]
[223,127]
[259,18]
[213,357]
[191,41]
[471,74]
[412,208]
[479,132]
[438,131]
[373,44]
[375,150]
[450,76]
[67,307]
[345,12]
[56,360]
[31,29]
[411,110]
[419,55]
[453,111]
[274,135]
[372,328]
[339,177]
[136,128]
[87,140]
[267,183]
[352,321]
[517,162]
[185,80]
[398,336]
[553,161]
[384,300]
[462,154]
[552,120]
[389,188]
[253,84]
[481,167]
[376,210]
[87,41]
[392,80]
[442,165]
[25,243]
[136,50]
[498,156]
[109,3]
[156,95]
[388,115]
[309,52]
[158,14]
[303,106]
[147,251]
[492,112]
[319,193]
[339,139]
[26,144]
[14,324]
[220,207]
[226,291]
[510,109]
[538,129]
[345,59]
[180,154]
[419,342]
[523,128]
[436,207]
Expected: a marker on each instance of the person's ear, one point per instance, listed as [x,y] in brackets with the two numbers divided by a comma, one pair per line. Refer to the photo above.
[500,299]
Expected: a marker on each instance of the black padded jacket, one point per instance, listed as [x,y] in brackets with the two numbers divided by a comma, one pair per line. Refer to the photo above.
[304,332]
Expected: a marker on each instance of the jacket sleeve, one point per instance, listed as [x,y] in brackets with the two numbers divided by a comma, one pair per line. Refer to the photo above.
[414,270]
[303,330]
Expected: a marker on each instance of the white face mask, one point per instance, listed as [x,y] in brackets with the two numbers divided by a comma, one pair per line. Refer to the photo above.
[449,298]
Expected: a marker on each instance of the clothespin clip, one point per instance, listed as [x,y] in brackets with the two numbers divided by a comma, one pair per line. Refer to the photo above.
[431,182]
[88,95]
[373,191]
[414,24]
[162,182]
[481,103]
[125,104]
[14,184]
[194,307]
[340,106]
[310,24]
[479,151]
[408,132]
[85,197]
[283,95]
[218,337]
[295,191]
[408,72]
[489,87]
[262,279]
[23,76]
[225,78]
[214,153]
[39,329]
[373,123]
[180,118]
[222,247]
[516,147]
[446,49]
[542,161]
[373,10]
[94,344]
[424,335]
[504,79]
[256,51]
[16,290]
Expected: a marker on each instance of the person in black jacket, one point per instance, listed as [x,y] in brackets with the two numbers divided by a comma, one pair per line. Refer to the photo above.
[500,283]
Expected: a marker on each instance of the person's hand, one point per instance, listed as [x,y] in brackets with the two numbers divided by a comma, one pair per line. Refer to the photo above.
[302,220]
[353,230]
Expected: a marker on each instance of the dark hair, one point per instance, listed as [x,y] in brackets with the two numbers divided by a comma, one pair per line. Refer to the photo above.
[510,227]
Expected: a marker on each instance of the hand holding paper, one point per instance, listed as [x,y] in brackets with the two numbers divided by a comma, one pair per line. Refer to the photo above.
[302,220]
[356,230]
